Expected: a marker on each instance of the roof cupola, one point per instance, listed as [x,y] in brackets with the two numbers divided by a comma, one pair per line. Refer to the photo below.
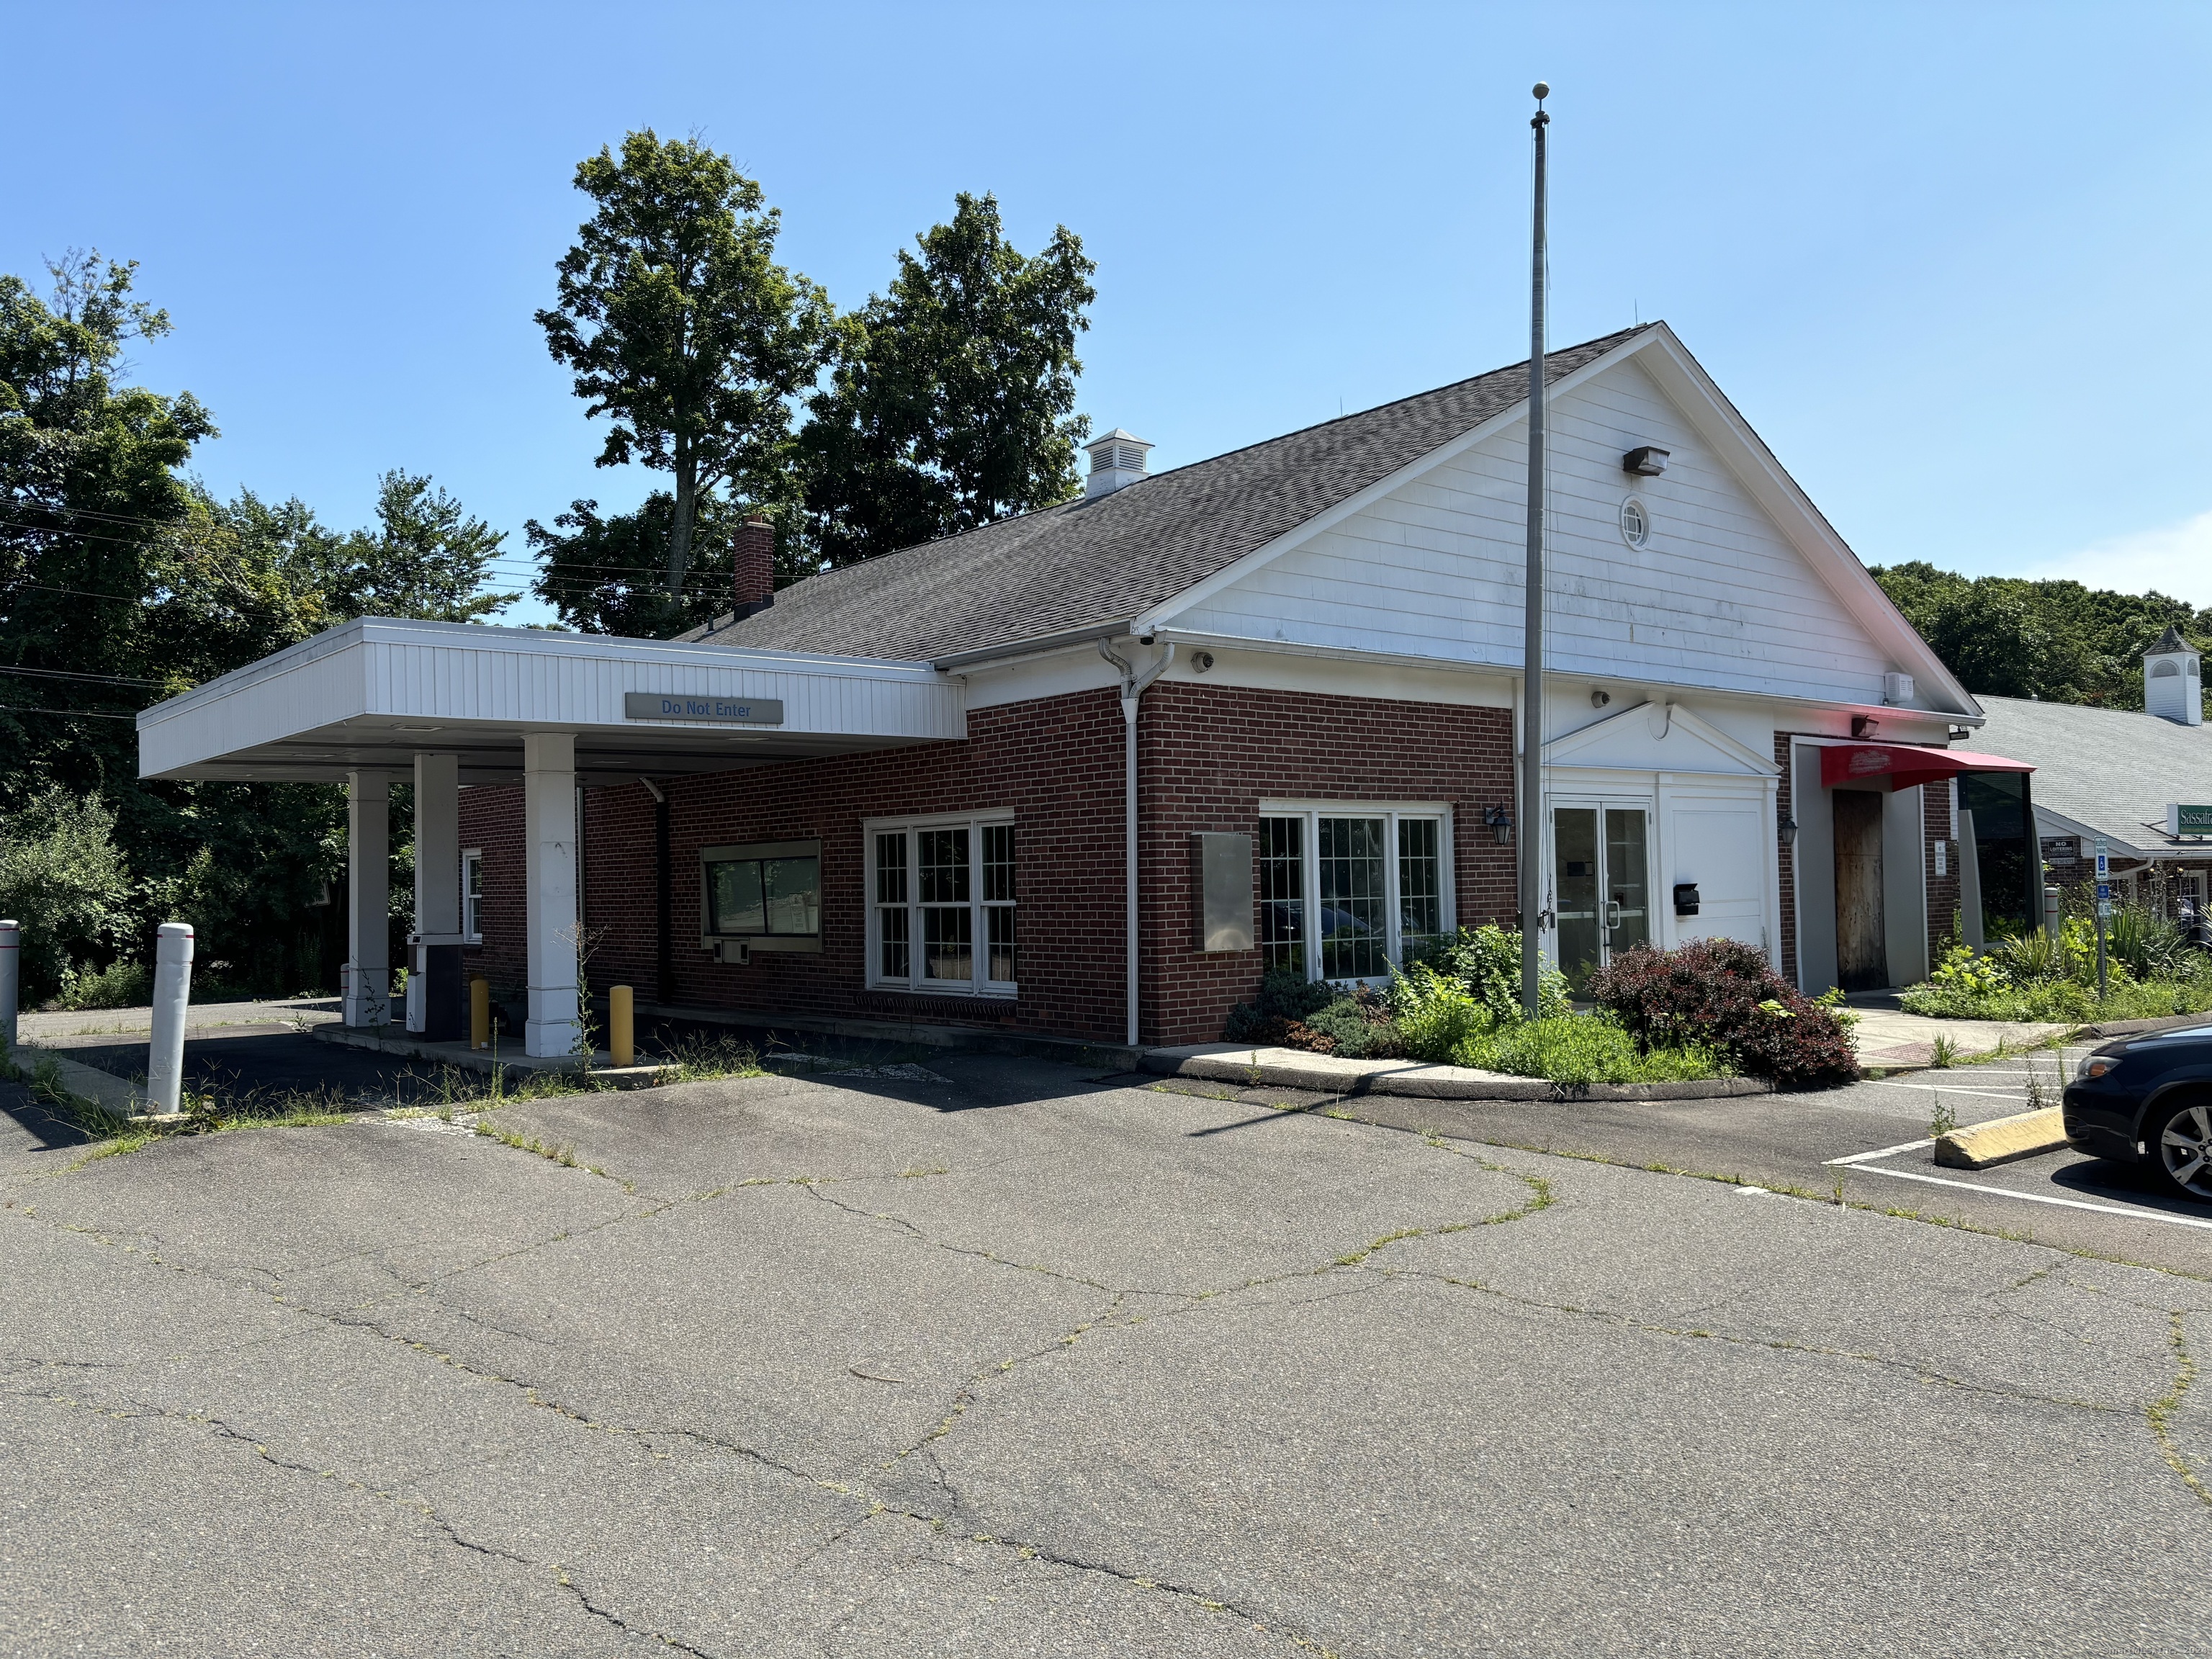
[1117,459]
[2172,687]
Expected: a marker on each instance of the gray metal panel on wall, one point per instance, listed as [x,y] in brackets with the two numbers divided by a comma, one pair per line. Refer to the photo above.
[1225,891]
[1905,886]
[1815,849]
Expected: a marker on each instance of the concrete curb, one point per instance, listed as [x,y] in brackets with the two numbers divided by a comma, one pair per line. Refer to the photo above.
[2112,1028]
[2002,1139]
[1292,1068]
[105,1090]
[459,1053]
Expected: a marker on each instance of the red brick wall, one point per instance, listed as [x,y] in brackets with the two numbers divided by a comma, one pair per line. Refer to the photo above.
[1206,755]
[1943,890]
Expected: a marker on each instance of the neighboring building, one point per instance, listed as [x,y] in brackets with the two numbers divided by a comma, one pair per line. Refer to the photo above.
[1287,677]
[2122,777]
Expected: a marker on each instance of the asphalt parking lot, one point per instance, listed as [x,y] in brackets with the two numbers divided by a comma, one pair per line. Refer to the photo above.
[1027,1361]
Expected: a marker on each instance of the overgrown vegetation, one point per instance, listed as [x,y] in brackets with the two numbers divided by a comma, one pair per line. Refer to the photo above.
[2151,970]
[1724,995]
[1460,1004]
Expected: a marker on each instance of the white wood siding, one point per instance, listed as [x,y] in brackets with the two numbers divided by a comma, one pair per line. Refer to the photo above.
[1717,598]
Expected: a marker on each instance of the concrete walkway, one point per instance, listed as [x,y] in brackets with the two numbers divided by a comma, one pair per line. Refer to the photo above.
[1890,1040]
[1299,1068]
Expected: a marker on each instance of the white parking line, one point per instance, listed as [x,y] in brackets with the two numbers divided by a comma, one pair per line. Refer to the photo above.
[2006,1192]
[1907,1146]
[1947,1089]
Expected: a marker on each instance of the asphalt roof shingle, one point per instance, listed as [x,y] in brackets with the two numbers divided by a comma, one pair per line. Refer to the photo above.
[1101,561]
[2110,769]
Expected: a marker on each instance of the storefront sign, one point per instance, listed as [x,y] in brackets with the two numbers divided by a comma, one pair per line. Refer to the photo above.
[2188,820]
[735,711]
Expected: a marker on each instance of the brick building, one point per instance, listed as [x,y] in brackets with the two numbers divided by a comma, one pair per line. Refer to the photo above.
[1090,772]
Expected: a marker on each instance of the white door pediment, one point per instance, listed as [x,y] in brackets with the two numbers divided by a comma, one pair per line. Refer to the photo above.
[1657,737]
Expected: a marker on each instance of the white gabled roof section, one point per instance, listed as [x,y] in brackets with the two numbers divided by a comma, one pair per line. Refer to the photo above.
[1828,634]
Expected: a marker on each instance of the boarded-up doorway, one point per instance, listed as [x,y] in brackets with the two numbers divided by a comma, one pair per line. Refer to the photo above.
[1861,953]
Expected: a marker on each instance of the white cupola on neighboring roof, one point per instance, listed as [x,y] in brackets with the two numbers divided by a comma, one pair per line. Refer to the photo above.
[2172,687]
[1117,459]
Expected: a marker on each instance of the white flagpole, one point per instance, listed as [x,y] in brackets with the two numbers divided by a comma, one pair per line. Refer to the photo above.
[1532,673]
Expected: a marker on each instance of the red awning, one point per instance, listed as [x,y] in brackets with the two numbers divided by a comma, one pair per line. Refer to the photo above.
[1897,766]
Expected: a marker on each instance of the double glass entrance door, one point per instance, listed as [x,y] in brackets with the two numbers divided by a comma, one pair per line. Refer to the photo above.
[1600,884]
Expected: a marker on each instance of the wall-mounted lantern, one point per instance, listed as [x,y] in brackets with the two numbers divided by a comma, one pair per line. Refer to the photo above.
[1788,830]
[1501,824]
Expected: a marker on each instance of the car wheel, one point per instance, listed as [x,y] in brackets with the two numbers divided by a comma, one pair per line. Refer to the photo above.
[2180,1142]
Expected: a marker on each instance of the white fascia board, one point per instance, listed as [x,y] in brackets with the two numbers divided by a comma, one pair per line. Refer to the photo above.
[1198,592]
[462,676]
[1745,453]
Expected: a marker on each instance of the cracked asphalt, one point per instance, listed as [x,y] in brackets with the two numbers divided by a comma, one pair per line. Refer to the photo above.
[1030,1362]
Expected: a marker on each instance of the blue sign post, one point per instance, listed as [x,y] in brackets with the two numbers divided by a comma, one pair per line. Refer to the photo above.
[2104,911]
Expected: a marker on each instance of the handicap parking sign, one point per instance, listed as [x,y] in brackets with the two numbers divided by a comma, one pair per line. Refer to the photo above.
[2104,889]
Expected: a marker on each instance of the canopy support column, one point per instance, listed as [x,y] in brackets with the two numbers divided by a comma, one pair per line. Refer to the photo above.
[436,1000]
[367,975]
[548,829]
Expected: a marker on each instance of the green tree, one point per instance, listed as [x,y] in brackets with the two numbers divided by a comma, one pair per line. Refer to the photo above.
[121,582]
[682,329]
[2008,637]
[952,403]
[604,573]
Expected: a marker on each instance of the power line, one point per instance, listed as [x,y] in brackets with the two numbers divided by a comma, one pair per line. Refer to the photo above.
[65,713]
[59,674]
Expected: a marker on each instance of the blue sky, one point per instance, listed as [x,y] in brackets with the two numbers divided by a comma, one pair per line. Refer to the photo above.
[1949,260]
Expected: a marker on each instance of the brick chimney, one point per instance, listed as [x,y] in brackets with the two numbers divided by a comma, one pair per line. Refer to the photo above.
[754,548]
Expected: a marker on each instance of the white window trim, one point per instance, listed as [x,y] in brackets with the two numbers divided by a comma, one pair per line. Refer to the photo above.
[979,928]
[470,935]
[1392,911]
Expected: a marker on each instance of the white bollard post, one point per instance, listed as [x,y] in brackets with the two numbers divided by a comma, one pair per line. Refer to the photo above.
[173,987]
[12,958]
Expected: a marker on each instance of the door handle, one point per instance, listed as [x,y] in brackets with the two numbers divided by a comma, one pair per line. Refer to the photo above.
[1612,915]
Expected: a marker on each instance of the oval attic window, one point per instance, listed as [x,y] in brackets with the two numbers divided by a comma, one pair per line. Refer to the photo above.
[1635,523]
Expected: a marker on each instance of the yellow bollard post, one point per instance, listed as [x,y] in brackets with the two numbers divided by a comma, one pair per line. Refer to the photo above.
[479,1013]
[621,1025]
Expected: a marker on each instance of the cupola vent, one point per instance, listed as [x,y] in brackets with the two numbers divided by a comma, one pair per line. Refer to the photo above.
[2171,688]
[1117,459]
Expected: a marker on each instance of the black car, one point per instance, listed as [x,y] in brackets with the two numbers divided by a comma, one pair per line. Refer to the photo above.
[2148,1099]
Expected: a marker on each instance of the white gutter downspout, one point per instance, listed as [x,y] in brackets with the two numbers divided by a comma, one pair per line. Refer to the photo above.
[1133,688]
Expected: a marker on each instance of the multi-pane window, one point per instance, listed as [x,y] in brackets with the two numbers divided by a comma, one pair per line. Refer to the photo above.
[943,918]
[472,894]
[1376,886]
[892,935]
[1283,894]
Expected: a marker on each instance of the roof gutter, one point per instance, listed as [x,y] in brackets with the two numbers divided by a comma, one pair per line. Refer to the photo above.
[1036,645]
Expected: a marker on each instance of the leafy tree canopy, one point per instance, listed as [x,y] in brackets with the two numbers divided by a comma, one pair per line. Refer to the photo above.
[952,401]
[682,329]
[2008,637]
[605,573]
[122,581]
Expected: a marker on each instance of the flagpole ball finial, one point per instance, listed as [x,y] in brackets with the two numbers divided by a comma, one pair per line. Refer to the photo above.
[1542,91]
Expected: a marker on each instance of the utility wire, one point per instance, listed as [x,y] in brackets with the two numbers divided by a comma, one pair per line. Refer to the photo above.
[59,674]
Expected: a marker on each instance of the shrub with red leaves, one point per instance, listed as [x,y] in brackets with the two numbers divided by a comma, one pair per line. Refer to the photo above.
[1723,993]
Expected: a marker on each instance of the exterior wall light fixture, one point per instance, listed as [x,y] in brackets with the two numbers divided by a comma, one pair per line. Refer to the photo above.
[1863,726]
[1787,831]
[1501,824]
[1645,461]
